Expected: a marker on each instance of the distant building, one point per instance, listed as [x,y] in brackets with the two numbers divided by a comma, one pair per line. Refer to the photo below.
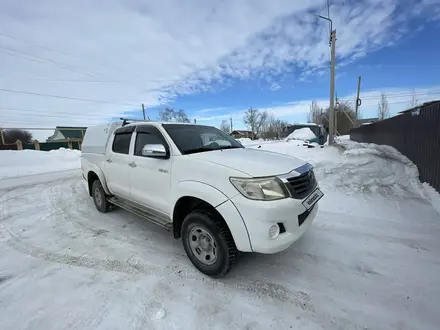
[66,133]
[238,134]
[418,107]
[366,121]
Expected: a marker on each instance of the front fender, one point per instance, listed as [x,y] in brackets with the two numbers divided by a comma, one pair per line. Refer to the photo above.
[222,204]
[97,170]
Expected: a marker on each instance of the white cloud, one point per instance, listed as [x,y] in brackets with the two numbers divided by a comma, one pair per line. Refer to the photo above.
[274,86]
[209,110]
[135,51]
[398,98]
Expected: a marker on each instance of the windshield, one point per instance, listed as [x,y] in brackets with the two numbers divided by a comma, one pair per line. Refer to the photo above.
[195,138]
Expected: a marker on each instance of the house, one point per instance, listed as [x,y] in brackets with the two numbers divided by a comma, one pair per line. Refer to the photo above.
[366,121]
[67,133]
[238,134]
[418,107]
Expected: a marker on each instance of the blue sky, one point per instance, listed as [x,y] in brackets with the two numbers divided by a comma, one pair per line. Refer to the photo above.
[212,59]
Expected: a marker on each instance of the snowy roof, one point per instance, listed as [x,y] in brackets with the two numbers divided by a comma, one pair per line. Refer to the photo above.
[307,124]
[426,104]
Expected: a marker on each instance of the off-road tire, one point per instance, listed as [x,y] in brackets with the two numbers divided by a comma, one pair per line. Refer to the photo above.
[217,228]
[100,197]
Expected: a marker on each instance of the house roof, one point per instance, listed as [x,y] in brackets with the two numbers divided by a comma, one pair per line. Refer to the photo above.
[426,104]
[241,132]
[366,120]
[71,132]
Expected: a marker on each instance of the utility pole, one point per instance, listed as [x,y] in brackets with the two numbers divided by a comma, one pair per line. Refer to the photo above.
[332,127]
[358,100]
[336,113]
[143,111]
[331,124]
[231,124]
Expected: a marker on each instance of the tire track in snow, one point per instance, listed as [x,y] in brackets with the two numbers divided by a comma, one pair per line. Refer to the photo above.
[85,261]
[64,202]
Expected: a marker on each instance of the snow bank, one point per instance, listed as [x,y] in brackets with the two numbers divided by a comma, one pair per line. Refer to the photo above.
[393,170]
[248,142]
[432,195]
[301,134]
[362,168]
[29,162]
[244,141]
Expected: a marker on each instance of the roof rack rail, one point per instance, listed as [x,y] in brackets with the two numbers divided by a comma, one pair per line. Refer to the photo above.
[126,121]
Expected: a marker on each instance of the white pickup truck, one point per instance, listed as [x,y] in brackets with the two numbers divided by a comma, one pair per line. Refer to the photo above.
[197,181]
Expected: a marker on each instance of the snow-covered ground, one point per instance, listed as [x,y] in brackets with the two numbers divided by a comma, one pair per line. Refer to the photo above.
[370,260]
[29,162]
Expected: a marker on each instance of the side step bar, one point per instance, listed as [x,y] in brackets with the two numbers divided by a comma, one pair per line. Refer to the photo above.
[151,215]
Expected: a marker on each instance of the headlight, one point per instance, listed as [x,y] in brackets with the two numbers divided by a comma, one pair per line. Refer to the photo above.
[268,189]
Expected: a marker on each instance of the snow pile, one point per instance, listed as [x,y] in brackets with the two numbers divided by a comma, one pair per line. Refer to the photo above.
[370,167]
[362,168]
[244,141]
[29,162]
[432,196]
[301,134]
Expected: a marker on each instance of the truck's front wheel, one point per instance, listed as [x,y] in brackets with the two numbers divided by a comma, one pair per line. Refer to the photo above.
[208,243]
[99,197]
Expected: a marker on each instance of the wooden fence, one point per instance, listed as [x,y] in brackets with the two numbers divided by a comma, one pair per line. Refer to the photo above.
[43,146]
[70,143]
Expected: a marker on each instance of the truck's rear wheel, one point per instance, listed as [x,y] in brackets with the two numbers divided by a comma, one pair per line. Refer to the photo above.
[100,197]
[208,243]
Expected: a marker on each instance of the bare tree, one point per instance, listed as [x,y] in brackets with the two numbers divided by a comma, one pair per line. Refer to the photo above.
[169,114]
[12,135]
[314,115]
[225,127]
[252,119]
[413,102]
[346,117]
[262,122]
[383,111]
[181,116]
[273,128]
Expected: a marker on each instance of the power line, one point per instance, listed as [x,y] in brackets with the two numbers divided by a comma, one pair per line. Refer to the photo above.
[391,95]
[45,47]
[65,97]
[40,112]
[43,60]
[69,67]
[36,115]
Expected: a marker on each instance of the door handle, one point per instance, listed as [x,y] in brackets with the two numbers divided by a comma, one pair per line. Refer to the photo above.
[132,164]
[109,160]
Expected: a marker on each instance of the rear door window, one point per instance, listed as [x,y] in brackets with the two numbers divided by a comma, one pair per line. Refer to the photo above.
[121,143]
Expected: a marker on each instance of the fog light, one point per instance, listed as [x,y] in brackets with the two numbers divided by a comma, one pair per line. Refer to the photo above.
[274,231]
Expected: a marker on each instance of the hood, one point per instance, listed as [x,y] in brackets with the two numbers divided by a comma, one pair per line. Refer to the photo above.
[254,162]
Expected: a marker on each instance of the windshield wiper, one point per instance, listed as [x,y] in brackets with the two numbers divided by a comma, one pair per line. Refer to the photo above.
[203,149]
[228,147]
[195,150]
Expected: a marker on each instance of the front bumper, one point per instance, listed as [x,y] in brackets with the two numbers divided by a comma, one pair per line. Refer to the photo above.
[259,216]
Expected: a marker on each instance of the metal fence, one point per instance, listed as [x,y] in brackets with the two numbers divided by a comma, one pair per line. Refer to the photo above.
[415,133]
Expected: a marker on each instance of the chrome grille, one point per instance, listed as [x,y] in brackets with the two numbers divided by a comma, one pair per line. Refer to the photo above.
[302,185]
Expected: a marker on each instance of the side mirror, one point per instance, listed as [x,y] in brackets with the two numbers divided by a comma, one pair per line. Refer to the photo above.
[154,150]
